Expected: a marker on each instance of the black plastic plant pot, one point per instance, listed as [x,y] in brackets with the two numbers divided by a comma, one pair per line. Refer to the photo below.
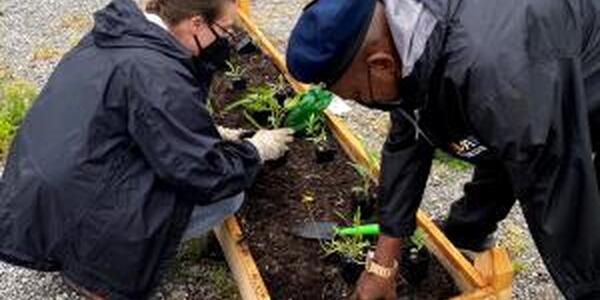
[239,84]
[246,46]
[414,265]
[366,203]
[281,96]
[278,163]
[324,153]
[261,117]
[350,270]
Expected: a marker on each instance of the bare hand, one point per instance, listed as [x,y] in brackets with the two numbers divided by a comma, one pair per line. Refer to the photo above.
[372,287]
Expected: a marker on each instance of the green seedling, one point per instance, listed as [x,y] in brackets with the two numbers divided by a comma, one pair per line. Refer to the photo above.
[234,72]
[315,129]
[257,100]
[280,86]
[417,240]
[364,187]
[352,247]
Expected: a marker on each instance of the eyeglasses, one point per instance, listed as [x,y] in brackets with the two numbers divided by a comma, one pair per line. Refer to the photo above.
[225,33]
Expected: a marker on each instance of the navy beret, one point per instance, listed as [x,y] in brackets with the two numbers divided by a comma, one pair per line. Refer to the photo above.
[326,38]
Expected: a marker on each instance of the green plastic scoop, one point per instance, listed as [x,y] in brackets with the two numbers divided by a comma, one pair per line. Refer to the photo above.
[302,107]
[328,230]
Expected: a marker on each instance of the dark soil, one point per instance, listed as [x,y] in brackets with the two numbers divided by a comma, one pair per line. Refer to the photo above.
[294,268]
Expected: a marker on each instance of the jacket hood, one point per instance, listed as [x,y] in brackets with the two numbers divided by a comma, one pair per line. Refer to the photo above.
[122,24]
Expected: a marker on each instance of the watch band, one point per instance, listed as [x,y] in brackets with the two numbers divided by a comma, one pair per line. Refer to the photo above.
[374,268]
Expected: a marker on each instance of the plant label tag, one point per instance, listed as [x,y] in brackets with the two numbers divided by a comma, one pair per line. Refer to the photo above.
[338,106]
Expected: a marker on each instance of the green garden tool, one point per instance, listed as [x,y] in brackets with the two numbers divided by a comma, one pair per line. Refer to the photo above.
[328,230]
[304,106]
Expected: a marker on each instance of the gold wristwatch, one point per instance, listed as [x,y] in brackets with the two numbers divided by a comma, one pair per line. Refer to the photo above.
[379,270]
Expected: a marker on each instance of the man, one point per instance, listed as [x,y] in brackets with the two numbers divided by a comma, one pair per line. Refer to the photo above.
[118,160]
[510,85]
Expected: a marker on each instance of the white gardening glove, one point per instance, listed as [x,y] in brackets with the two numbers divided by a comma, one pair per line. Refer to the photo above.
[272,144]
[230,134]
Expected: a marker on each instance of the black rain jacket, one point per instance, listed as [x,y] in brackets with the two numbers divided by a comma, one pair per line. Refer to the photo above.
[516,81]
[112,157]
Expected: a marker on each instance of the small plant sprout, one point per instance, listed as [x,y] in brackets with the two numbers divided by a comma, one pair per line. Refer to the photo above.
[308,199]
[315,129]
[234,72]
[417,241]
[352,247]
[365,180]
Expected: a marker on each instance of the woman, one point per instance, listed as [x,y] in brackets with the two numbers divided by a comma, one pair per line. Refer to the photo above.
[119,149]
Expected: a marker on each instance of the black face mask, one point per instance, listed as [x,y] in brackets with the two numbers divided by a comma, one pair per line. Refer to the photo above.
[383,105]
[215,56]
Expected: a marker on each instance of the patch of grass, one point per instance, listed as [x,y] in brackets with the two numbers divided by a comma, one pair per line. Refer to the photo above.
[76,22]
[220,278]
[514,240]
[519,267]
[193,265]
[44,53]
[451,162]
[16,97]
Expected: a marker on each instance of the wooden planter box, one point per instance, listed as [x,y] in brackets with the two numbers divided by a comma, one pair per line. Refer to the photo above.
[490,277]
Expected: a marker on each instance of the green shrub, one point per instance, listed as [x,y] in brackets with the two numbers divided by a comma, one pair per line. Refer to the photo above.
[451,162]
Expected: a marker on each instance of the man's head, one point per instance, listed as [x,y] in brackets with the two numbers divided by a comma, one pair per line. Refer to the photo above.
[196,24]
[360,63]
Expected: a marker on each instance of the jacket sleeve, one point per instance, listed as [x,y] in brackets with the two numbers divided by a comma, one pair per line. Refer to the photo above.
[536,120]
[169,122]
[406,162]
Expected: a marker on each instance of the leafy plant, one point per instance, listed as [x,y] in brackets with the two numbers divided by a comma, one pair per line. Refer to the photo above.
[315,129]
[257,100]
[451,162]
[352,247]
[365,180]
[234,72]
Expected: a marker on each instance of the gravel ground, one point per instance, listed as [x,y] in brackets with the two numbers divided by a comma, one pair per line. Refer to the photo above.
[277,17]
[35,34]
